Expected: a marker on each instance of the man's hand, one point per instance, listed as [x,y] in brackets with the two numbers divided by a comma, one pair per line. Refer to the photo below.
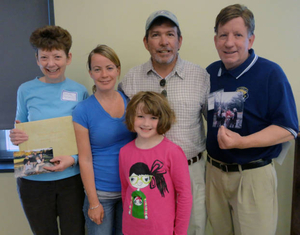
[228,139]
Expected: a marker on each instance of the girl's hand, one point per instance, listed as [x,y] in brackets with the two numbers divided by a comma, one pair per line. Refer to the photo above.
[17,136]
[60,163]
[96,215]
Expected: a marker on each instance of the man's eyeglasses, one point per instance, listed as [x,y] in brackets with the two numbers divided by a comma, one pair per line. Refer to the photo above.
[162,83]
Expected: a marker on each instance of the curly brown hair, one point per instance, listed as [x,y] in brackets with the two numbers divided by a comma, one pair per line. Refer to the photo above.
[51,37]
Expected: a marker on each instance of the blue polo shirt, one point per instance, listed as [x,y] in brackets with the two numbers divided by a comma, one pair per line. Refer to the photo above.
[268,100]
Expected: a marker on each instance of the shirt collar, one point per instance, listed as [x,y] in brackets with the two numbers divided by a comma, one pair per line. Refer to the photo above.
[178,69]
[243,68]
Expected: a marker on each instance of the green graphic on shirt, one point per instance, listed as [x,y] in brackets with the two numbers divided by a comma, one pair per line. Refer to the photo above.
[139,205]
[140,176]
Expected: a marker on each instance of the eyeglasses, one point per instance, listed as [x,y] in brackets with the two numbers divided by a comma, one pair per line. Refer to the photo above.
[162,83]
[146,179]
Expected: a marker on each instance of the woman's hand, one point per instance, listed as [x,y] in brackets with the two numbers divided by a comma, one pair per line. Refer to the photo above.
[60,163]
[96,215]
[17,136]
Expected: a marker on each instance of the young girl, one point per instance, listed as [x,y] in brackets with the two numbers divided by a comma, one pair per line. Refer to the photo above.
[156,188]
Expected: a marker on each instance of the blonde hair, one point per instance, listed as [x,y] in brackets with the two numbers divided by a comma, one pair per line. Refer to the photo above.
[107,52]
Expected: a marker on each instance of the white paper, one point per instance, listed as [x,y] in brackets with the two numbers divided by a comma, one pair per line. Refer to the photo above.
[283,153]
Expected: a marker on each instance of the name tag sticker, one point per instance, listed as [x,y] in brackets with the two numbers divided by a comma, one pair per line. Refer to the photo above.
[211,101]
[69,96]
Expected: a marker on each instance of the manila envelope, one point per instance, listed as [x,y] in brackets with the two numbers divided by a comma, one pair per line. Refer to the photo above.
[56,133]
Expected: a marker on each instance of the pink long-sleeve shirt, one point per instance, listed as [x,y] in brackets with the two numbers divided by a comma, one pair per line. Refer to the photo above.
[146,209]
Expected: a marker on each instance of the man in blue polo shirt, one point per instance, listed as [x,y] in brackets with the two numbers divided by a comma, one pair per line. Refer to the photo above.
[241,181]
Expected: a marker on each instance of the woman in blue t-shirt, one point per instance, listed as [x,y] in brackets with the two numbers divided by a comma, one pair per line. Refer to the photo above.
[100,133]
[58,193]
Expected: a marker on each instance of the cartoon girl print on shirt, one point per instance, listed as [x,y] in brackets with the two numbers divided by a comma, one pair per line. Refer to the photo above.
[140,177]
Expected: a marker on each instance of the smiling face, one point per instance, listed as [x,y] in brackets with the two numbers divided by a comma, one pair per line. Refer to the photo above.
[233,43]
[53,64]
[104,73]
[145,125]
[163,44]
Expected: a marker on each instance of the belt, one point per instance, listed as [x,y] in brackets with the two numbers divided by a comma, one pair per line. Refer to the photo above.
[194,159]
[235,167]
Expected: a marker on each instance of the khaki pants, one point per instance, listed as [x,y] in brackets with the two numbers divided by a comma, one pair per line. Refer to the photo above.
[242,203]
[198,214]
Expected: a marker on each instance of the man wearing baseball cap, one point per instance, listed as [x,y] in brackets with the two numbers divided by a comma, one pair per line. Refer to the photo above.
[186,86]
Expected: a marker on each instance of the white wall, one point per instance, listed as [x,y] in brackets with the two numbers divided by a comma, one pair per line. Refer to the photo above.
[12,218]
[120,25]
